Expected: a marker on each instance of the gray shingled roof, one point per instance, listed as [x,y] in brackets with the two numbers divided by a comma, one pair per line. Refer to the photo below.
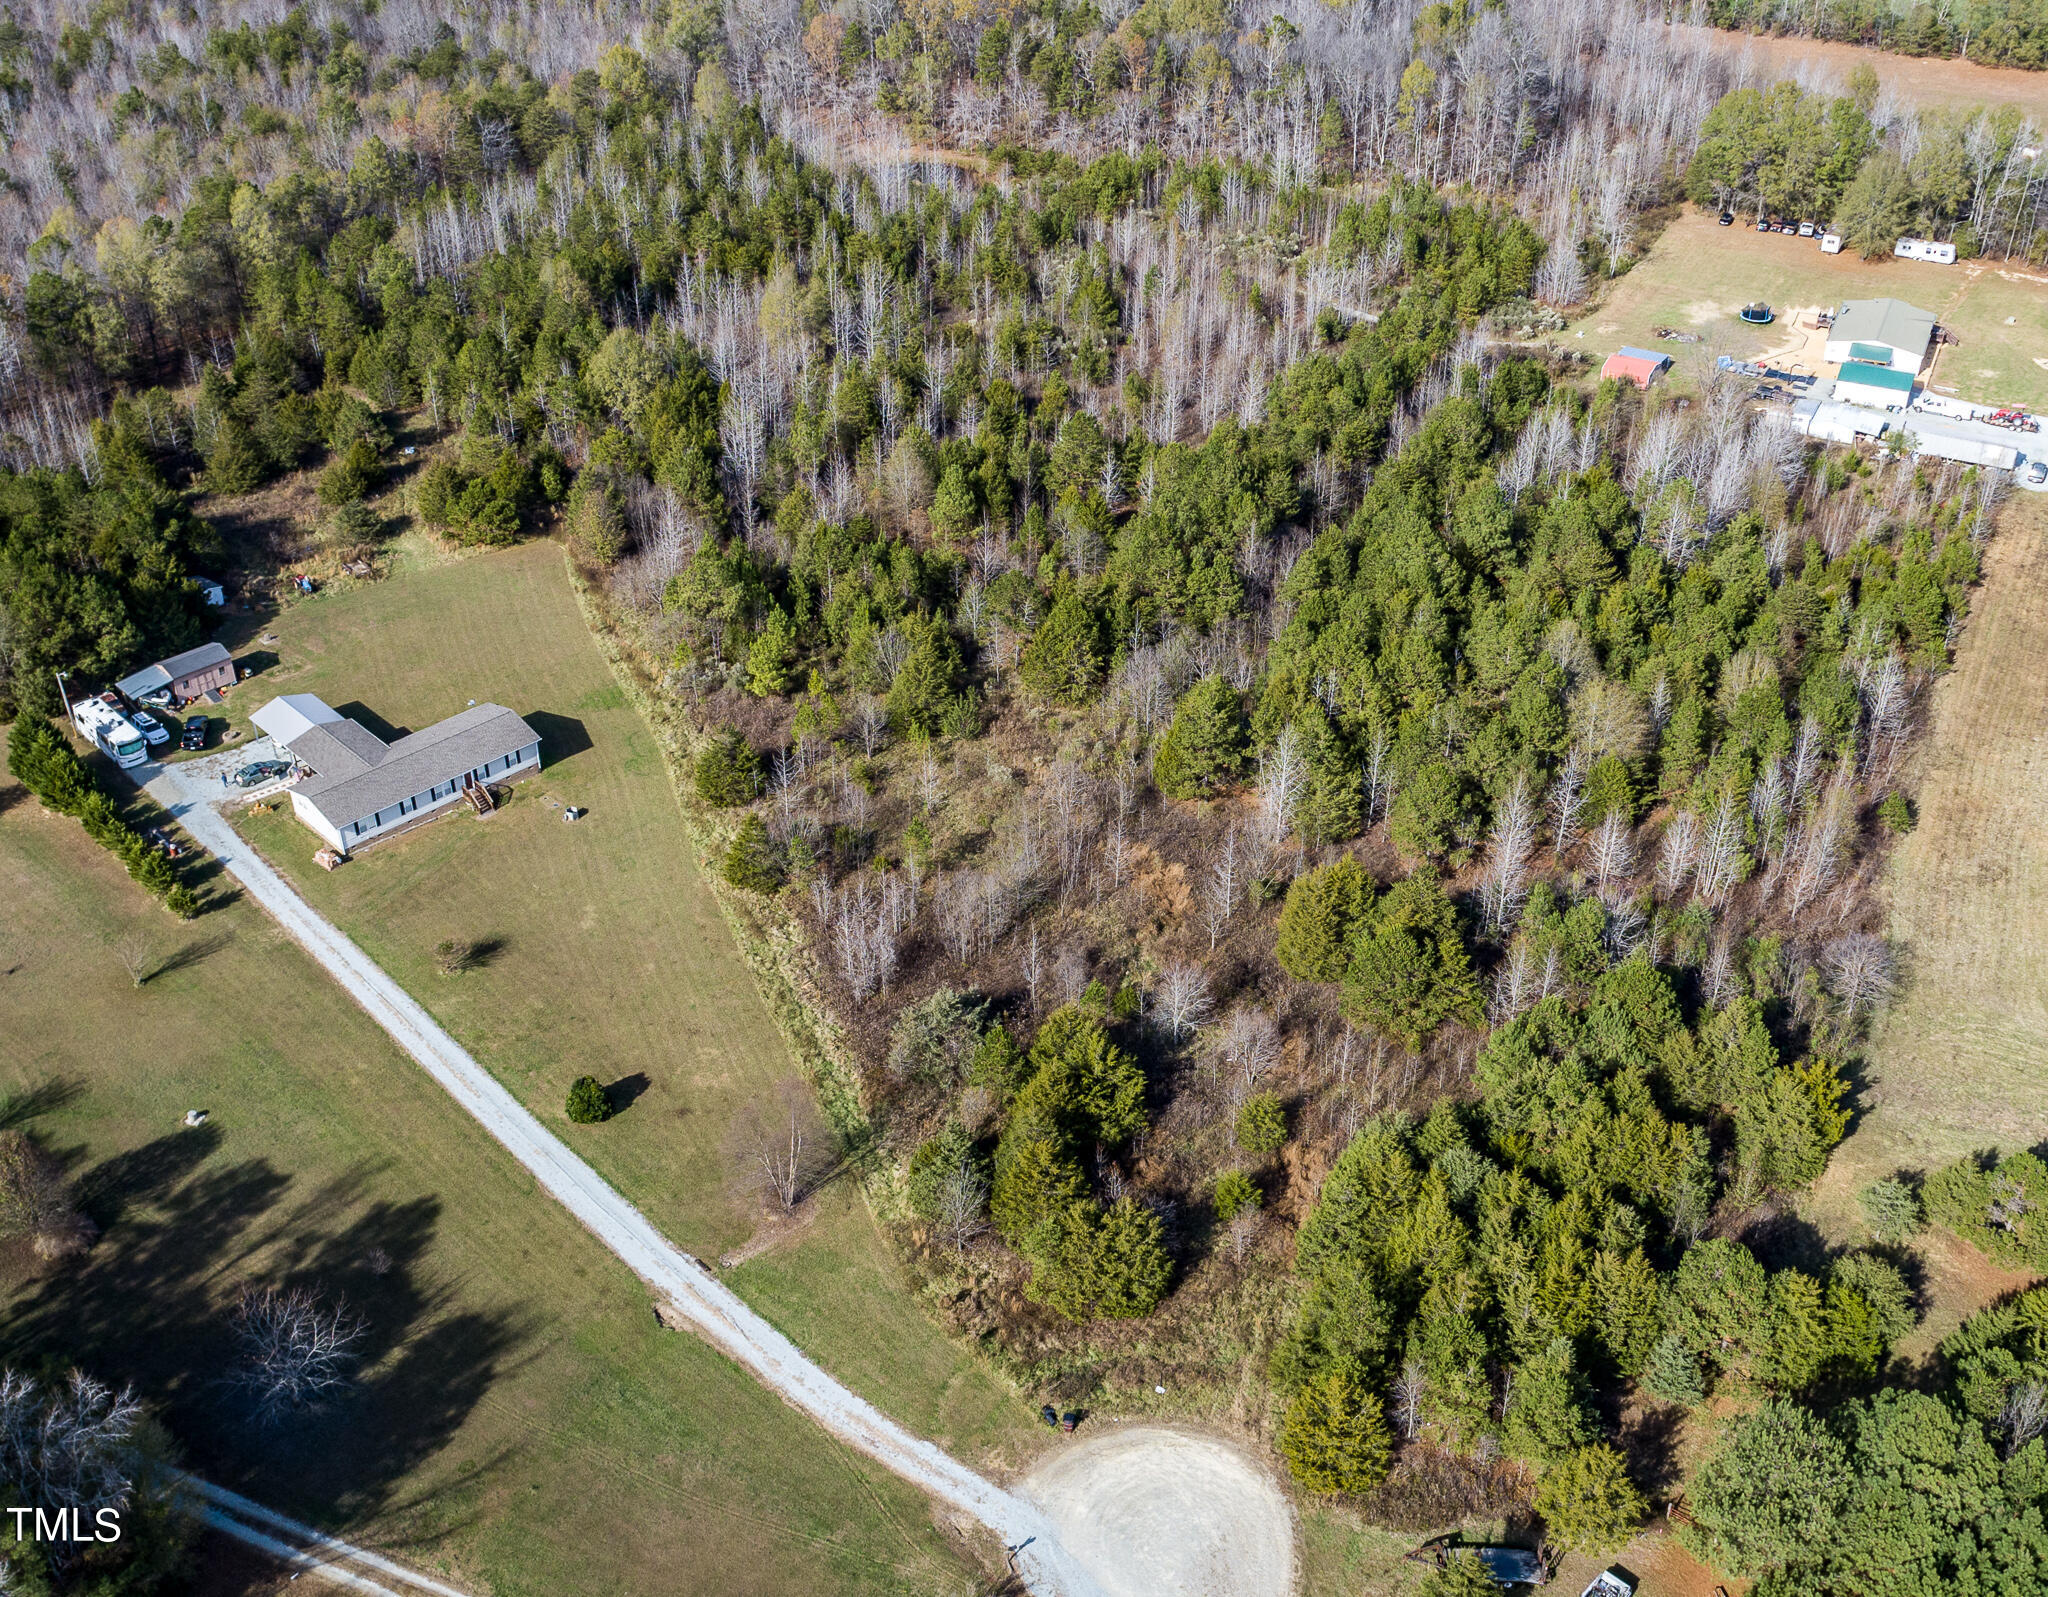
[357,774]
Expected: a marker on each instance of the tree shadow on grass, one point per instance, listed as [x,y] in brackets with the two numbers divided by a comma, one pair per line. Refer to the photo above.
[18,1109]
[184,1230]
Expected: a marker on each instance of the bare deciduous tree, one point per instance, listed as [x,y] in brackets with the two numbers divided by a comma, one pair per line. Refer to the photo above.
[1567,799]
[1033,966]
[1723,859]
[931,781]
[1248,1044]
[295,1348]
[1514,836]
[961,1211]
[782,1149]
[71,1447]
[871,721]
[1612,853]
[1222,886]
[1859,970]
[2023,1415]
[1184,1003]
[1410,1387]
[1679,851]
[136,951]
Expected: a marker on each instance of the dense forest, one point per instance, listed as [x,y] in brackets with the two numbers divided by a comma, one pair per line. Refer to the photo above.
[1341,849]
[2002,33]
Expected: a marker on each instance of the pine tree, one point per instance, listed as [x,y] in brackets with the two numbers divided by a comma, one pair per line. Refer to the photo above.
[750,860]
[771,657]
[923,689]
[1335,1437]
[1204,749]
[726,770]
[1324,908]
[1546,1417]
[1333,805]
[1460,1575]
[1609,791]
[588,1101]
[1588,1503]
[1799,1342]
[953,509]
[1673,1373]
[1063,660]
[1625,1308]
[1429,814]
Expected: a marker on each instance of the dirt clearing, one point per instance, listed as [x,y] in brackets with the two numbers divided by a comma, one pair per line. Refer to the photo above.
[1920,81]
[1961,1060]
[1159,1513]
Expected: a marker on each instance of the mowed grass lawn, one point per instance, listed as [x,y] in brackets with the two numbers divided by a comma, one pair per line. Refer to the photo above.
[522,1423]
[1698,275]
[611,956]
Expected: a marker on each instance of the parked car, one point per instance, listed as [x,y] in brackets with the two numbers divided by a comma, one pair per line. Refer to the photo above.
[2037,473]
[262,771]
[152,730]
[1727,218]
[1806,230]
[194,735]
[1610,1583]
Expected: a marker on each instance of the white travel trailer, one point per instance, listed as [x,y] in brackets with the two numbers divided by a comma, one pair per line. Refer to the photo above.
[111,732]
[1925,249]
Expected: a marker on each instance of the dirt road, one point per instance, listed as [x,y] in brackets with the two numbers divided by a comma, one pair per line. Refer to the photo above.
[188,791]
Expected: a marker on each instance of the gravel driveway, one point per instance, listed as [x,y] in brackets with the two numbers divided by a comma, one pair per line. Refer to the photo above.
[188,792]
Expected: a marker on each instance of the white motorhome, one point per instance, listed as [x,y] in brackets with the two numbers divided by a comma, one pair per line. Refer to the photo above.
[111,732]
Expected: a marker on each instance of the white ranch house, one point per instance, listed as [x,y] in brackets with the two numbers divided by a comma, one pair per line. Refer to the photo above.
[362,787]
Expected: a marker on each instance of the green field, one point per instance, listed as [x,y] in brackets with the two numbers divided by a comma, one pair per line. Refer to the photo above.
[1698,275]
[522,1422]
[612,957]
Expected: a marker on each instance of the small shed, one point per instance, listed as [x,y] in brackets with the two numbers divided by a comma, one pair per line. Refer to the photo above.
[1884,387]
[1639,366]
[206,669]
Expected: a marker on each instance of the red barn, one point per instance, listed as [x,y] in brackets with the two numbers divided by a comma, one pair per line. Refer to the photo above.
[1640,366]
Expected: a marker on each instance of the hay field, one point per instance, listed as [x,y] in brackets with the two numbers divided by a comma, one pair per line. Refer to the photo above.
[1960,1061]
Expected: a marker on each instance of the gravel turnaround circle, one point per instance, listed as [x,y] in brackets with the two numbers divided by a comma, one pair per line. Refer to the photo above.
[1151,1512]
[717,1313]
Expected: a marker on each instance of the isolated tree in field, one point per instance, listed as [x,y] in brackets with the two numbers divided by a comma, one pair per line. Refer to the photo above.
[1335,1438]
[1588,1503]
[782,1149]
[295,1347]
[588,1103]
[1203,750]
[1859,970]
